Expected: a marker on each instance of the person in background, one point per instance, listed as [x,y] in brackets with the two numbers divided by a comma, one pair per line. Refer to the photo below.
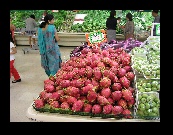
[13,70]
[44,14]
[48,46]
[12,29]
[128,27]
[118,20]
[30,29]
[111,24]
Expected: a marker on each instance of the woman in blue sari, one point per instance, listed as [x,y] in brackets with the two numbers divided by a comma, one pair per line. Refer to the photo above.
[48,46]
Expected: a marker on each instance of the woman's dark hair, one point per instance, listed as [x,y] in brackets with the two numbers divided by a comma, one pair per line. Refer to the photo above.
[118,18]
[11,38]
[129,16]
[47,18]
[156,11]
[112,13]
[32,16]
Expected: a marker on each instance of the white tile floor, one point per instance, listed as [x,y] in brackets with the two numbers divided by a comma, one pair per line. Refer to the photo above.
[23,93]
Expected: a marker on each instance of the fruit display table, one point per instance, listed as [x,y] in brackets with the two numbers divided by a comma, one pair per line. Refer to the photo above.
[55,117]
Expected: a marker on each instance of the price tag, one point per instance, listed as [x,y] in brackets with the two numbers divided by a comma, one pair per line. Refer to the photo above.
[96,38]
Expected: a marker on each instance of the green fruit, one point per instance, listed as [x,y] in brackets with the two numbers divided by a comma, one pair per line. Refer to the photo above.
[158,105]
[147,73]
[154,89]
[157,100]
[144,85]
[140,113]
[145,113]
[158,72]
[139,87]
[148,85]
[158,76]
[143,100]
[158,86]
[139,97]
[154,83]
[150,98]
[152,104]
[147,106]
[142,107]
[142,90]
[155,110]
[147,89]
[144,95]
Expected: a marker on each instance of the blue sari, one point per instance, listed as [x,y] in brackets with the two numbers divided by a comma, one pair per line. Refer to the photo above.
[49,50]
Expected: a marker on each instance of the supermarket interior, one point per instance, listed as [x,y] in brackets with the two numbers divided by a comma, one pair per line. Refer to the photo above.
[85,66]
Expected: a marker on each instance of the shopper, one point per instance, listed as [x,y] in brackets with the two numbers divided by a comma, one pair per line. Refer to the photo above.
[48,45]
[42,18]
[13,70]
[30,29]
[12,29]
[128,27]
[111,24]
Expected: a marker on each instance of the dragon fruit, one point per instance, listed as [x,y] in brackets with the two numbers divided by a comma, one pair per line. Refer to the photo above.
[130,76]
[85,51]
[117,87]
[52,78]
[105,53]
[89,72]
[63,98]
[131,102]
[107,109]
[127,114]
[111,101]
[87,108]
[106,60]
[132,90]
[113,64]
[92,96]
[122,103]
[87,82]
[48,81]
[82,72]
[77,106]
[87,88]
[127,68]
[106,92]
[39,103]
[102,100]
[124,82]
[65,83]
[96,109]
[79,83]
[97,74]
[48,96]
[121,72]
[115,80]
[117,110]
[105,82]
[101,65]
[116,95]
[60,92]
[54,104]
[95,84]
[127,95]
[68,76]
[71,100]
[126,61]
[42,94]
[65,105]
[55,96]
[73,83]
[72,91]
[49,88]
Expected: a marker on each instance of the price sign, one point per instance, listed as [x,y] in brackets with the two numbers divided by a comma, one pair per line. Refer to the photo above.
[155,31]
[96,38]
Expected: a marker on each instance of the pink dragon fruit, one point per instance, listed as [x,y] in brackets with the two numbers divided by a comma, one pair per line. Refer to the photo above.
[105,53]
[79,83]
[60,92]
[65,83]
[132,90]
[85,51]
[63,98]
[83,98]
[82,72]
[87,82]
[127,68]
[54,104]
[117,110]
[131,102]
[130,76]
[101,65]
[127,95]
[42,94]
[49,88]
[95,84]
[117,87]
[94,64]
[87,108]
[124,82]
[122,103]
[73,83]
[72,91]
[89,72]
[121,72]
[96,109]
[115,80]
[107,109]
[48,96]
[111,50]
[106,60]
[65,105]
[55,96]
[105,82]
[106,92]
[87,88]
[48,81]
[114,64]
[92,96]
[71,100]
[111,101]
[97,74]
[127,114]
[126,61]
[102,100]
[116,95]
[39,103]
[77,106]
[68,76]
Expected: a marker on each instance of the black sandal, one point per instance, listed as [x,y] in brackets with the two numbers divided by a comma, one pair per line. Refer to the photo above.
[15,81]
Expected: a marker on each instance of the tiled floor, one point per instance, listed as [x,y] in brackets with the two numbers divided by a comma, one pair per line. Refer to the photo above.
[32,74]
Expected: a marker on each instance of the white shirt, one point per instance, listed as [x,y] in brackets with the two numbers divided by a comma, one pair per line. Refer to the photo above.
[12,57]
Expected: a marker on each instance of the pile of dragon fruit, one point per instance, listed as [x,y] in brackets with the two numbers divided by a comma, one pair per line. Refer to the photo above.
[96,82]
[127,45]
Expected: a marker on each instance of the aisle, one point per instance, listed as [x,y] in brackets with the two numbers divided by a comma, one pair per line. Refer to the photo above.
[23,93]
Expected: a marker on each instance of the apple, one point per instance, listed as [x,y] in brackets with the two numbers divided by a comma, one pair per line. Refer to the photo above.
[147,106]
[142,107]
[143,100]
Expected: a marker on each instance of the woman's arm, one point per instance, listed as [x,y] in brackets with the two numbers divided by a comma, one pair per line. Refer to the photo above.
[14,50]
[56,35]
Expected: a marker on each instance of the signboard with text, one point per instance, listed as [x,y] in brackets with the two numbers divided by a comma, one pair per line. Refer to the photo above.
[96,38]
